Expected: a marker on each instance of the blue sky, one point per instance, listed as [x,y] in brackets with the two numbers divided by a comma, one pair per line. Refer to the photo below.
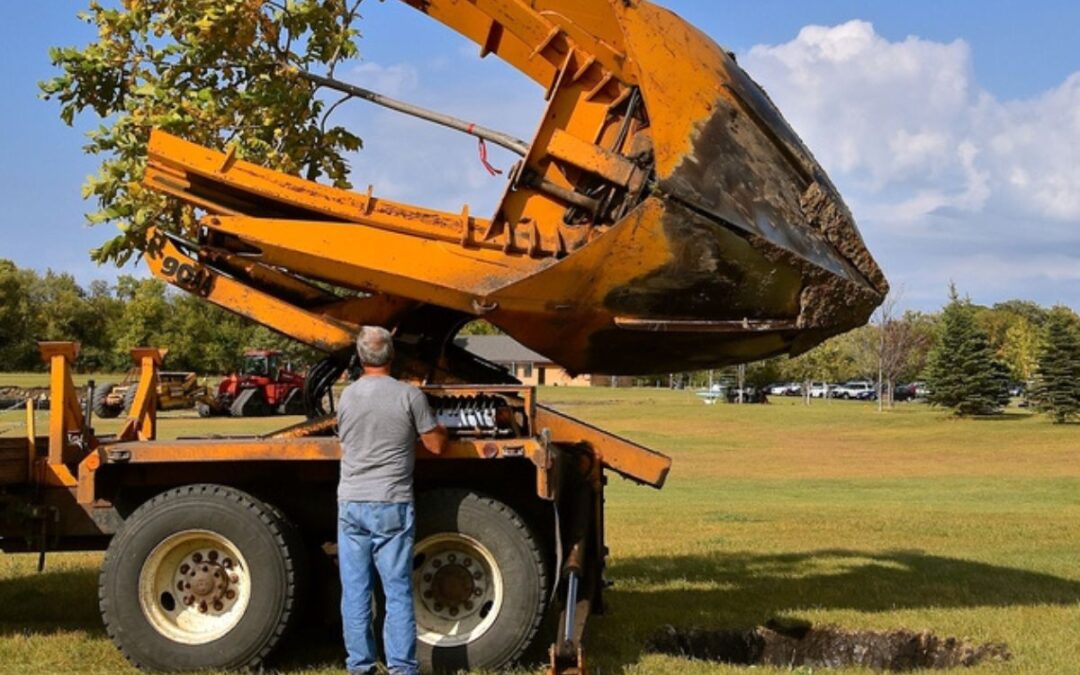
[952,129]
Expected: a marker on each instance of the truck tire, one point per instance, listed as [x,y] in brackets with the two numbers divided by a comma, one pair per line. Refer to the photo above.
[98,404]
[240,567]
[480,582]
[250,403]
[129,397]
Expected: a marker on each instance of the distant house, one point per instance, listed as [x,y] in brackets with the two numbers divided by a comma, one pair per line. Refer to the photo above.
[523,363]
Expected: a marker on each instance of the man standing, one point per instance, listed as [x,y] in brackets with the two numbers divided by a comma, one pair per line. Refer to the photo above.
[379,420]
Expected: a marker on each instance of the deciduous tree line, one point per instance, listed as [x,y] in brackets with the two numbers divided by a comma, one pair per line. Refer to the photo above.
[968,354]
[110,319]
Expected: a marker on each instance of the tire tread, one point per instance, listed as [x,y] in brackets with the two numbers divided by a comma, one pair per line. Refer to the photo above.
[276,524]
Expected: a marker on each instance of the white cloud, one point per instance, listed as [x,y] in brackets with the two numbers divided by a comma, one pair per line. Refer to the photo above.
[399,79]
[937,170]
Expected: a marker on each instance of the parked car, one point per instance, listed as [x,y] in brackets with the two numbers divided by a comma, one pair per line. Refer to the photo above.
[777,388]
[820,389]
[749,395]
[904,392]
[784,389]
[856,389]
[867,395]
[921,390]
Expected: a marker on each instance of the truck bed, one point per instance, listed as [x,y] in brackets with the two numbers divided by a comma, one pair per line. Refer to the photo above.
[14,461]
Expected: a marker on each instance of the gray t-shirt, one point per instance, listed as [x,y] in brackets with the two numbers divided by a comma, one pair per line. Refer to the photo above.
[379,420]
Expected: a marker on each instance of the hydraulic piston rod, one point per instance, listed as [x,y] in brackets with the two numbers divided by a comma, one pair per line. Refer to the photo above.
[499,138]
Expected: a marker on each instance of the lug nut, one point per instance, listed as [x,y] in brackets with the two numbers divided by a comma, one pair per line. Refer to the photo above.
[468,606]
[217,575]
[179,585]
[218,606]
[427,578]
[234,579]
[202,608]
[213,555]
[436,563]
[230,594]
[187,585]
[453,611]
[452,557]
[467,562]
[227,563]
[205,569]
[438,607]
[189,600]
[197,557]
[478,592]
[477,575]
[185,568]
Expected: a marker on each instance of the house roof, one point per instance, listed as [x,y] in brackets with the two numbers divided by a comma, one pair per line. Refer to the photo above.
[500,349]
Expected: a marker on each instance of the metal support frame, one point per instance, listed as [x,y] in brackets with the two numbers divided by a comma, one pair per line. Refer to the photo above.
[64,415]
[142,418]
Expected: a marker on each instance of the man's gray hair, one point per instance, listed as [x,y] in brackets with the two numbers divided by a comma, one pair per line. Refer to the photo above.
[375,346]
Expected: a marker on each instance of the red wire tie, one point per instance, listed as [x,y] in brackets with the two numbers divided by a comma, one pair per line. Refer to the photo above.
[484,154]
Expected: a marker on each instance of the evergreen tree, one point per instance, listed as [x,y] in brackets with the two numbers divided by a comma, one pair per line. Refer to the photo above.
[963,374]
[1057,389]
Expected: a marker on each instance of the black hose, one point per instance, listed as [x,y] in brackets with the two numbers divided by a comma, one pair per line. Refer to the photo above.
[319,384]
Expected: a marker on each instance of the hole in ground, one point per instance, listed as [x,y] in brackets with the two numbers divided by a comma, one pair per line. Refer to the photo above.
[792,644]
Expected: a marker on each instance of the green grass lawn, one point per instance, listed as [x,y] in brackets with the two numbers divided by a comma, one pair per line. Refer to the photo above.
[834,514]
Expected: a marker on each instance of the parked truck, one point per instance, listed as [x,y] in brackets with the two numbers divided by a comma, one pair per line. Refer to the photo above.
[664,218]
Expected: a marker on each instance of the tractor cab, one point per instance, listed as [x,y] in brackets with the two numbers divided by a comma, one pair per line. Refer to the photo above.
[261,363]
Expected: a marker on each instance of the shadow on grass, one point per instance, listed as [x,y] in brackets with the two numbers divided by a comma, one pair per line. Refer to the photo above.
[1002,417]
[740,591]
[50,602]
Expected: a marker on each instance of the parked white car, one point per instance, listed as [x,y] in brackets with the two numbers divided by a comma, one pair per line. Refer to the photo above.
[820,390]
[856,389]
[783,389]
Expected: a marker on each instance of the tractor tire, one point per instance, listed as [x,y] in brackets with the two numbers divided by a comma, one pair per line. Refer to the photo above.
[99,405]
[240,566]
[294,403]
[129,397]
[250,403]
[481,583]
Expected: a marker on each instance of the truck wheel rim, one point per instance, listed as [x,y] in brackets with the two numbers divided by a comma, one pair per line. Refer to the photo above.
[194,587]
[458,590]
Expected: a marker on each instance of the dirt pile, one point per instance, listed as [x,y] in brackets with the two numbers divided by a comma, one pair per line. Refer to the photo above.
[826,647]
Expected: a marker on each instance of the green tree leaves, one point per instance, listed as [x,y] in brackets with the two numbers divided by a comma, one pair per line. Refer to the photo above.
[206,70]
[111,320]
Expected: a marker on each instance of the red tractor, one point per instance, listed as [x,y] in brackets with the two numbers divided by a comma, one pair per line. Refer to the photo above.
[264,386]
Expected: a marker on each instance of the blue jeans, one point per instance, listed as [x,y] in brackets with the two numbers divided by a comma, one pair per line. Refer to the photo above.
[377,536]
